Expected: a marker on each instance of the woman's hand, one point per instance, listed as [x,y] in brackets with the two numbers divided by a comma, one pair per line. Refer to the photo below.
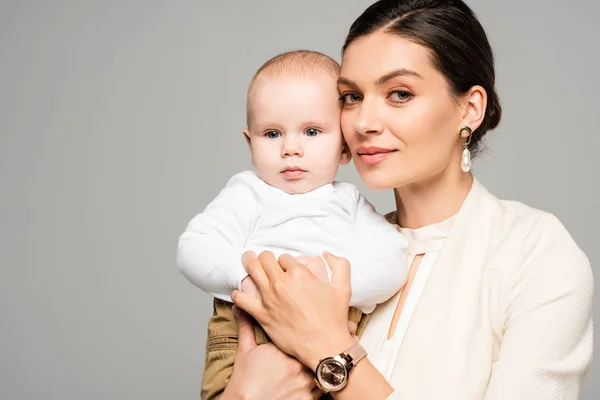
[314,264]
[303,315]
[265,372]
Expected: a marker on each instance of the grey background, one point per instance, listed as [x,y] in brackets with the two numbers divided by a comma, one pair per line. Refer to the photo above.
[120,120]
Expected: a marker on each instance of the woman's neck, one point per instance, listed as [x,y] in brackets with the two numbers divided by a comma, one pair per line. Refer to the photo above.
[433,200]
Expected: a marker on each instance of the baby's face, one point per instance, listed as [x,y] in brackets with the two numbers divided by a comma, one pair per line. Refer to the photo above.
[294,133]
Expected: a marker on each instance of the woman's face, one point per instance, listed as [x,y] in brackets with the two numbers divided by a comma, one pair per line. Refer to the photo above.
[399,118]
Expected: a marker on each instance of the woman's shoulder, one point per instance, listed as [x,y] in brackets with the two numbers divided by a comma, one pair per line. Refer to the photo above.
[539,227]
[523,239]
[549,268]
[530,225]
[544,249]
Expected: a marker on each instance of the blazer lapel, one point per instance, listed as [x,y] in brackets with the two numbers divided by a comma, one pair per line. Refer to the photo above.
[427,348]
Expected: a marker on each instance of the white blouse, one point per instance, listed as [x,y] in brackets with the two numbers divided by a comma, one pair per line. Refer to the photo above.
[383,352]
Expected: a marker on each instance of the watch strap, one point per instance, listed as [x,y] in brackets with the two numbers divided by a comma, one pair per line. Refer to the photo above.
[356,353]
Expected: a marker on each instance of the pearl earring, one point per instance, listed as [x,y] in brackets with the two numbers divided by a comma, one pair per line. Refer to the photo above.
[464,136]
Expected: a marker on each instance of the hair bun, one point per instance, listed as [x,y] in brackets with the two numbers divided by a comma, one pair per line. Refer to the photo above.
[493,113]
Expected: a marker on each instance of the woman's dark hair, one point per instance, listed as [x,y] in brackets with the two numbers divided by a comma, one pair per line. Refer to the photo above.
[450,30]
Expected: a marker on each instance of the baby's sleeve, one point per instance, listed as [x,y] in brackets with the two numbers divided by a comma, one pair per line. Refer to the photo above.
[209,251]
[378,262]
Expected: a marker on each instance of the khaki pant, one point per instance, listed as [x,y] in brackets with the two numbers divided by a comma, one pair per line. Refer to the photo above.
[221,345]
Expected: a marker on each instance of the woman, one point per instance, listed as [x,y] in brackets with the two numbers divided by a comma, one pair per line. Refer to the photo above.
[498,304]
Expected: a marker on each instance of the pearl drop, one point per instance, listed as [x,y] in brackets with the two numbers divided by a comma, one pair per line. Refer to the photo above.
[466,163]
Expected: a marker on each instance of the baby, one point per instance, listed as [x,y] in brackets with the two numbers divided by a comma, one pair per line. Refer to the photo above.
[289,204]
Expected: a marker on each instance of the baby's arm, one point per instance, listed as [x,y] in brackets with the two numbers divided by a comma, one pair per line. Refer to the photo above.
[378,260]
[210,250]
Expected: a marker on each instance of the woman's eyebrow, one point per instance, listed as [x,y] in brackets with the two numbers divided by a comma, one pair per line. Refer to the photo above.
[344,81]
[384,78]
[395,73]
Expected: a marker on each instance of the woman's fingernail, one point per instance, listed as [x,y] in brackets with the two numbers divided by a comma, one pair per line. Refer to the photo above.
[236,312]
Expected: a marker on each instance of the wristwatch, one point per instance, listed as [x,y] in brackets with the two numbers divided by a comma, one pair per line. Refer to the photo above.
[332,372]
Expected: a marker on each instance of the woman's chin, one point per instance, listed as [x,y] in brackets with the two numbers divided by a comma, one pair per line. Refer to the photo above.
[377,180]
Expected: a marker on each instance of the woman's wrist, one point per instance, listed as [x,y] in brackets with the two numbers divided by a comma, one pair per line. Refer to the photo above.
[323,347]
[365,382]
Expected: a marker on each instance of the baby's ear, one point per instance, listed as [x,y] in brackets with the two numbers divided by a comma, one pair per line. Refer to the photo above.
[247,136]
[346,156]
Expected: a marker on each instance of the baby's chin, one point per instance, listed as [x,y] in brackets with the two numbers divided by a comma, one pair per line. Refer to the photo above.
[295,186]
[299,187]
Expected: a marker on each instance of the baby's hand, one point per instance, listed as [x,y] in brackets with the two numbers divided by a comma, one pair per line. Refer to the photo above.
[248,286]
[316,265]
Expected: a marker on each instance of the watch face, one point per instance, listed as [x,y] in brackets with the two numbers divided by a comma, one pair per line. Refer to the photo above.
[332,375]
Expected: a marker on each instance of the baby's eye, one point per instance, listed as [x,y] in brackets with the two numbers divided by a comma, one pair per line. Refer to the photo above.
[312,132]
[272,134]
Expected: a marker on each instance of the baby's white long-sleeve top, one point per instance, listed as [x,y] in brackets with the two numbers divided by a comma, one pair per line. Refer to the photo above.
[249,214]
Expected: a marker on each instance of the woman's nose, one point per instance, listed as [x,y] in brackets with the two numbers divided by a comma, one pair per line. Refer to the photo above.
[368,119]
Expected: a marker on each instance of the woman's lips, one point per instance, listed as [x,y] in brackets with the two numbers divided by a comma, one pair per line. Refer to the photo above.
[374,159]
[372,155]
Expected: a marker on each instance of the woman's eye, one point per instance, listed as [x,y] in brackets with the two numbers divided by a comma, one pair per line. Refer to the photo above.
[272,134]
[312,132]
[400,96]
[349,98]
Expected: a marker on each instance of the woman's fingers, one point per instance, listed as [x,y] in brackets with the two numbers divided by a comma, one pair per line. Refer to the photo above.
[255,269]
[248,303]
[270,266]
[247,257]
[287,262]
[302,260]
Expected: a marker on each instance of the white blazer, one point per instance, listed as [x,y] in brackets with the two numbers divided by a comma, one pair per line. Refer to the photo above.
[506,313]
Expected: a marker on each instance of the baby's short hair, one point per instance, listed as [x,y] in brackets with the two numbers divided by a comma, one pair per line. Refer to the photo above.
[299,62]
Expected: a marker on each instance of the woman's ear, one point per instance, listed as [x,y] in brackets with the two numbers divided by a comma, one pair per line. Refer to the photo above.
[474,104]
